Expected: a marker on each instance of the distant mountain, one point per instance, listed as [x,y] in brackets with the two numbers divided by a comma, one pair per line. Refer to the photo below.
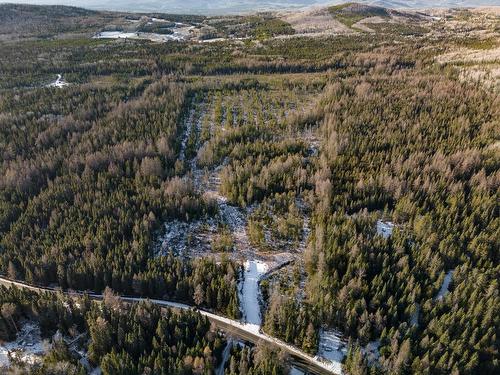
[239,6]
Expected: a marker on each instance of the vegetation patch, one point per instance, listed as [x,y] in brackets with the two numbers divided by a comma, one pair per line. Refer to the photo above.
[350,13]
[478,43]
[272,27]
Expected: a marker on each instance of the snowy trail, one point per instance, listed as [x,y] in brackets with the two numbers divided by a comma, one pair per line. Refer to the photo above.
[253,269]
[250,293]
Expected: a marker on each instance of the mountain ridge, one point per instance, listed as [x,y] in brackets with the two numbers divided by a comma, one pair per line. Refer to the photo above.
[219,7]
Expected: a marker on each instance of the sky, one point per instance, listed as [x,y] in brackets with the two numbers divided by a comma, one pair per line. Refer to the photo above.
[210,7]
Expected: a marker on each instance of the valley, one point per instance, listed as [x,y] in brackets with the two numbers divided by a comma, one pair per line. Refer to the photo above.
[302,190]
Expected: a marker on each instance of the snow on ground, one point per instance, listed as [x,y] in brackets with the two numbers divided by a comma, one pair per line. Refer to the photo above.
[234,217]
[59,82]
[84,361]
[385,228]
[446,284]
[250,293]
[332,350]
[116,35]
[175,238]
[28,346]
[187,239]
[159,20]
[180,32]
[236,221]
[215,40]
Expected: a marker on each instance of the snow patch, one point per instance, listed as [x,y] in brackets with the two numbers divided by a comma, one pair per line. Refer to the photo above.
[186,239]
[175,238]
[154,19]
[59,82]
[332,350]
[445,285]
[385,228]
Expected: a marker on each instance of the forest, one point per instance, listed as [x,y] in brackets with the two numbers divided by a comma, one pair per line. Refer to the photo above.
[361,169]
[408,150]
[121,339]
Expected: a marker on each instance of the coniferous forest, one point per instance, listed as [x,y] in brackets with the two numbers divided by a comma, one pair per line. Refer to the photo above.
[338,179]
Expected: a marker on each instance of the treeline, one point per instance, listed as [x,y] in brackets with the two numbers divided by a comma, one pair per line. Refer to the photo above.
[82,60]
[85,60]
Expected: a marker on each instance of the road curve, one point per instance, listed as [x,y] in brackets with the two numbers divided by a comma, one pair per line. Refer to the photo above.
[246,332]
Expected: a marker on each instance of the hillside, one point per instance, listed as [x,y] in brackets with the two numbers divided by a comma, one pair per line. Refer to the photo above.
[30,19]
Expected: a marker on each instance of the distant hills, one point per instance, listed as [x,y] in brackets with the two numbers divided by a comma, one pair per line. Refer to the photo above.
[239,6]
